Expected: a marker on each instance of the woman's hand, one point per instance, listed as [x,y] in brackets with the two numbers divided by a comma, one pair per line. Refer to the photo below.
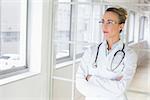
[119,78]
[88,77]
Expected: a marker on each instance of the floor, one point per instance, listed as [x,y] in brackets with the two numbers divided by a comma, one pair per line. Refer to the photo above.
[140,86]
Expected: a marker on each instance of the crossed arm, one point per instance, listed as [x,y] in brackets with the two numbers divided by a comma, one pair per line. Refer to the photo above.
[90,85]
[98,86]
[117,78]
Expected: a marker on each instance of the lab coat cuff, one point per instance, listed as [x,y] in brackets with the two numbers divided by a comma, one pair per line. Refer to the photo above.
[91,79]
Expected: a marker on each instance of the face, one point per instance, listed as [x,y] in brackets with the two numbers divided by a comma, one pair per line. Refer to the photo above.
[110,25]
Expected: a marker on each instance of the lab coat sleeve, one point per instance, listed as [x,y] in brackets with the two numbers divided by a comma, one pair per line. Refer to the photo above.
[82,84]
[98,86]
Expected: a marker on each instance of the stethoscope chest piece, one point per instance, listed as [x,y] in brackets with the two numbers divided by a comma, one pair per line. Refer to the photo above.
[94,65]
[95,62]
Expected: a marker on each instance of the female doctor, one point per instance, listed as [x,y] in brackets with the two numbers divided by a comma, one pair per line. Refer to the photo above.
[107,68]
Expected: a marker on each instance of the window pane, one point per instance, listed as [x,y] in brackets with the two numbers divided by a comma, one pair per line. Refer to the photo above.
[96,29]
[79,23]
[123,34]
[62,29]
[88,28]
[62,22]
[13,16]
[143,27]
[84,23]
[131,27]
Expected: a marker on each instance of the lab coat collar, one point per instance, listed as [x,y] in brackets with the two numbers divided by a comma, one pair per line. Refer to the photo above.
[118,44]
[109,54]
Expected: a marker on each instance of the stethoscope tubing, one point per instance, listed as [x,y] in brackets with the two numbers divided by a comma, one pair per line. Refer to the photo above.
[112,69]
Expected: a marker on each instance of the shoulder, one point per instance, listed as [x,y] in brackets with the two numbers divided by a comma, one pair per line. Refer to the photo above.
[90,49]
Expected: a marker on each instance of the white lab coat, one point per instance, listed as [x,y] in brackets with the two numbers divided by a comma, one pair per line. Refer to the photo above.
[103,84]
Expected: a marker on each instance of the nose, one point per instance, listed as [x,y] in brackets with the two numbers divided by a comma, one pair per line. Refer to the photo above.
[104,26]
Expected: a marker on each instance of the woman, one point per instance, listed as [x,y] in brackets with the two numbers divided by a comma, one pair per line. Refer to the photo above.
[107,69]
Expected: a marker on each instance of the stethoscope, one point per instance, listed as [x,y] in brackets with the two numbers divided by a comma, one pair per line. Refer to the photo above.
[117,52]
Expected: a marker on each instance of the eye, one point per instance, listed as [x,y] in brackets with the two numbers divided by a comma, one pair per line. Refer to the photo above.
[101,21]
[110,22]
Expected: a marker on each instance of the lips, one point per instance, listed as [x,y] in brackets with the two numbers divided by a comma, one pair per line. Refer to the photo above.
[105,32]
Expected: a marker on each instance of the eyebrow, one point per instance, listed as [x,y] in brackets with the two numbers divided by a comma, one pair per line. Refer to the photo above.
[108,20]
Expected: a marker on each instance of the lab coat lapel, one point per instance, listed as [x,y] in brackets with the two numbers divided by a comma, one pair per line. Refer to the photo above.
[110,56]
[102,58]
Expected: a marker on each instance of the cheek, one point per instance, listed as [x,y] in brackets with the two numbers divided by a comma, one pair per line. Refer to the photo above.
[115,30]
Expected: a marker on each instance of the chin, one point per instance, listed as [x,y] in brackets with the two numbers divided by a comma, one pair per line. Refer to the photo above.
[106,37]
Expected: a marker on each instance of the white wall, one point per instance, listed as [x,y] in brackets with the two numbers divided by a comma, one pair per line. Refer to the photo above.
[35,87]
[26,89]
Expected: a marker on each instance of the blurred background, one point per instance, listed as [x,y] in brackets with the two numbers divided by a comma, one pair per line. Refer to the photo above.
[76,27]
[42,42]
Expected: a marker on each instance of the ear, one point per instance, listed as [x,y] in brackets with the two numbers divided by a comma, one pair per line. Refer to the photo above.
[121,26]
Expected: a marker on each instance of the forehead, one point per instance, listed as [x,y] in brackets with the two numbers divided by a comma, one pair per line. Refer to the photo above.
[110,16]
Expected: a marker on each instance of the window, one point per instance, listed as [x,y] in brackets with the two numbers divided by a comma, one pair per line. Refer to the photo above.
[131,27]
[20,39]
[13,22]
[75,27]
[75,23]
[143,25]
[63,30]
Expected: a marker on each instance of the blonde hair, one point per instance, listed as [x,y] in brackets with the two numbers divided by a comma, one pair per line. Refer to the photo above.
[121,12]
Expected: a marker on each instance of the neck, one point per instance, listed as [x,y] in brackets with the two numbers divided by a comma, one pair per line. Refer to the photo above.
[112,41]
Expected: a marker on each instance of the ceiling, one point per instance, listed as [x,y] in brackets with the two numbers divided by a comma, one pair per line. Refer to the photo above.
[145,5]
[136,5]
